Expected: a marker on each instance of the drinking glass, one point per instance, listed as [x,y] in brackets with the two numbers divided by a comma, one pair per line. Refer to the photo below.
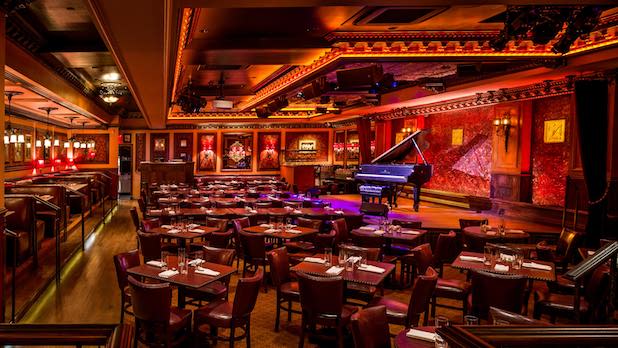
[181,260]
[471,320]
[519,260]
[349,265]
[328,255]
[488,255]
[441,321]
[342,258]
[164,259]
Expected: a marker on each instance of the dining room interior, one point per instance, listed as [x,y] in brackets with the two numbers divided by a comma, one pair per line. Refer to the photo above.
[309,174]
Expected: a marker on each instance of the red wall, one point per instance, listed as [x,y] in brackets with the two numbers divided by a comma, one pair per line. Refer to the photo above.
[466,168]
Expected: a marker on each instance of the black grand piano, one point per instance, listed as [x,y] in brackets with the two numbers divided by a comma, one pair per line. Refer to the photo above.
[387,174]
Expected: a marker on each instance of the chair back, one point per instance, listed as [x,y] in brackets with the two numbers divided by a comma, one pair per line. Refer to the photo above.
[341,229]
[512,318]
[463,223]
[367,240]
[370,328]
[446,248]
[241,223]
[279,266]
[422,257]
[122,262]
[372,254]
[253,245]
[596,290]
[309,223]
[292,204]
[504,291]
[135,218]
[263,205]
[218,255]
[220,224]
[151,302]
[150,246]
[142,205]
[422,291]
[320,296]
[225,204]
[220,239]
[150,224]
[567,242]
[247,290]
[407,223]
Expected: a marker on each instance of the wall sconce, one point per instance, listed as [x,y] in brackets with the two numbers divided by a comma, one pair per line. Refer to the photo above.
[406,130]
[503,127]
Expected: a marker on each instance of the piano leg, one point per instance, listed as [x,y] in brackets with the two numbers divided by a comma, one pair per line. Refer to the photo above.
[416,191]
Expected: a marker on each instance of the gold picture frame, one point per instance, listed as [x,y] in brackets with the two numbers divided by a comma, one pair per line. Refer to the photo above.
[457,137]
[554,130]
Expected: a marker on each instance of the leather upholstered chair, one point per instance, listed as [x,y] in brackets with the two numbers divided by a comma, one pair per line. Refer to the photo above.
[135,218]
[504,291]
[30,231]
[341,231]
[497,314]
[122,262]
[591,305]
[218,289]
[253,252]
[399,313]
[322,303]
[150,224]
[469,242]
[220,224]
[305,244]
[562,253]
[238,225]
[220,239]
[370,328]
[156,321]
[223,314]
[287,289]
[49,216]
[150,246]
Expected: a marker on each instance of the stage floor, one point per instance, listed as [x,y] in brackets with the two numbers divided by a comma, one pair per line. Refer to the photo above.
[439,216]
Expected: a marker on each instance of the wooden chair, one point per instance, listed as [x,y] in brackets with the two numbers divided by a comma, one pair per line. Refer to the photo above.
[254,252]
[218,289]
[504,291]
[287,289]
[370,328]
[122,262]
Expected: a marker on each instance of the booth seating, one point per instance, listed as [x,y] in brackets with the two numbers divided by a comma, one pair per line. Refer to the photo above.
[78,204]
[29,234]
[59,194]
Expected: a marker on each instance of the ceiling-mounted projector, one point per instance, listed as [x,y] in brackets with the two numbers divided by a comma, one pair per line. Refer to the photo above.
[223,104]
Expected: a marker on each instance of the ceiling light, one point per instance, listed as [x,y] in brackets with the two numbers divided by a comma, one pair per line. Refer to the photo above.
[56,142]
[111,77]
[37,143]
[21,139]
[76,144]
[67,144]
[13,138]
[109,98]
[6,140]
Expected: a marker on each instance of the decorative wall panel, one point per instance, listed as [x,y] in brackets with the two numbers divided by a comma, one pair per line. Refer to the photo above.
[206,152]
[550,161]
[301,147]
[269,148]
[183,146]
[140,149]
[98,154]
[237,151]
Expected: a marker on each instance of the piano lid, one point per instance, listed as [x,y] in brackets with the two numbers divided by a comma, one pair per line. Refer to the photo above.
[401,150]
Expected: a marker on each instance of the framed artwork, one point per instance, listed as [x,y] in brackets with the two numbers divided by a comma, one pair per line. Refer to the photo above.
[352,147]
[126,138]
[207,152]
[159,149]
[98,154]
[159,144]
[269,149]
[183,146]
[237,151]
[553,131]
[307,145]
[183,143]
[457,137]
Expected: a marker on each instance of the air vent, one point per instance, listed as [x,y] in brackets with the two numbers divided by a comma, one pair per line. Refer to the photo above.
[499,18]
[398,15]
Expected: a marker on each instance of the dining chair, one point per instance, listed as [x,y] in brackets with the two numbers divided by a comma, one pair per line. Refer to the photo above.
[225,204]
[341,231]
[287,289]
[149,224]
[590,307]
[218,289]
[399,313]
[122,262]
[135,218]
[504,291]
[220,224]
[150,246]
[238,225]
[322,303]
[156,321]
[562,253]
[220,239]
[304,244]
[463,223]
[370,328]
[263,205]
[222,314]
[253,252]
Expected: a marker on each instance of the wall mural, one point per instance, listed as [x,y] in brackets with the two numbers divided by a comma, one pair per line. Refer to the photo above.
[237,151]
[98,154]
[269,147]
[183,146]
[207,152]
[301,147]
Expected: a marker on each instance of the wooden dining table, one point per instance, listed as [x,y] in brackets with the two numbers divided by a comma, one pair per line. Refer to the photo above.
[492,234]
[283,234]
[184,236]
[529,273]
[190,280]
[403,341]
[405,235]
[355,276]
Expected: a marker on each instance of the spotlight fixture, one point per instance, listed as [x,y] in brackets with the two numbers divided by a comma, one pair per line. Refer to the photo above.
[189,101]
[580,23]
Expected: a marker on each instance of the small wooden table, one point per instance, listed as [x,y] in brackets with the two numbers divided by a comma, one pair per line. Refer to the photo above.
[355,276]
[403,341]
[283,234]
[530,273]
[184,236]
[406,234]
[190,280]
[493,236]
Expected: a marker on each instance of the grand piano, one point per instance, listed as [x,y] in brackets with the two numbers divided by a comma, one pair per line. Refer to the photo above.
[387,174]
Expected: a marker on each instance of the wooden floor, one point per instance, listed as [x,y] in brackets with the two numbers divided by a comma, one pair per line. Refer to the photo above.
[88,291]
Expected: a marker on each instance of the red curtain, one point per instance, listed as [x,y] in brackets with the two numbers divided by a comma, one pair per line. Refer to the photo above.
[363,126]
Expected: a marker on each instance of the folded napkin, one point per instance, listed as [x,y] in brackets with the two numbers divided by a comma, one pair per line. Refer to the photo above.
[196,230]
[164,199]
[328,208]
[379,232]
[271,230]
[205,199]
[169,273]
[491,233]
[410,232]
[171,212]
[340,212]
[366,228]
[515,231]
[334,270]
[354,259]
[296,211]
[421,335]
[371,268]
[206,271]
[191,226]
[536,265]
[471,258]
[208,211]
[156,211]
[169,227]
[156,263]
[290,226]
[501,268]
[195,262]
[267,225]
[252,211]
[314,260]
[173,231]
[293,231]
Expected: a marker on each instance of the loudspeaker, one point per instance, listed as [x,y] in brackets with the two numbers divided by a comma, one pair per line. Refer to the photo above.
[364,77]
